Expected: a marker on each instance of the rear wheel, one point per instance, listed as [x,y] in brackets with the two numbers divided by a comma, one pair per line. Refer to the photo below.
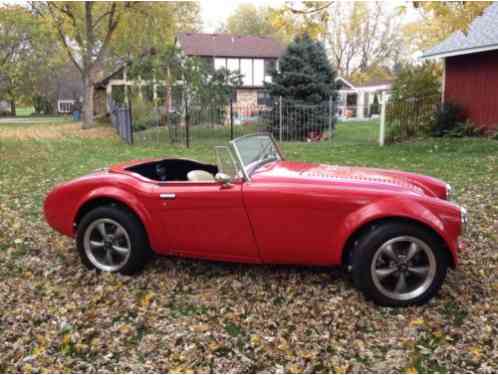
[398,264]
[111,239]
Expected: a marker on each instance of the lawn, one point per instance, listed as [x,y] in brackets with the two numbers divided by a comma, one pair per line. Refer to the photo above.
[183,315]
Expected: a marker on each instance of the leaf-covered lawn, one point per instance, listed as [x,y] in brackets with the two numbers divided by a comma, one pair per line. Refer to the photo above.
[186,315]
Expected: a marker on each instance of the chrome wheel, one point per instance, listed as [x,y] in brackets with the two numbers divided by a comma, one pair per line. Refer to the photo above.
[107,244]
[403,268]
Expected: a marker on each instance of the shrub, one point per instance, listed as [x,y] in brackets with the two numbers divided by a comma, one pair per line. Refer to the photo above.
[143,113]
[374,107]
[445,120]
[42,105]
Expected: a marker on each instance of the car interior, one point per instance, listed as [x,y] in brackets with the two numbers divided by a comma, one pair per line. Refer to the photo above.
[176,170]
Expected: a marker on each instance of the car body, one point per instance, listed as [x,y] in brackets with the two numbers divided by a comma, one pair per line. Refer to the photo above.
[269,210]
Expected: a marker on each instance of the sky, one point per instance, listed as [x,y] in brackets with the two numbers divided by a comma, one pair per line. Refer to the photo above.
[214,12]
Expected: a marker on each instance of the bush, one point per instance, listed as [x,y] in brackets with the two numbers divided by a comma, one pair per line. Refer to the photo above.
[446,119]
[42,105]
[143,113]
[374,107]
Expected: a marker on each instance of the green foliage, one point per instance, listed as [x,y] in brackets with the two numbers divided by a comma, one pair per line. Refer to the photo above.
[249,19]
[415,93]
[305,77]
[414,81]
[446,119]
[42,105]
[144,113]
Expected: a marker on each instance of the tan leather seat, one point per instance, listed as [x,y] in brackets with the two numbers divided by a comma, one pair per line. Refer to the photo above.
[200,176]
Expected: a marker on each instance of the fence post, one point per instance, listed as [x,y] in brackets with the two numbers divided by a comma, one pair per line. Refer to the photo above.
[231,118]
[330,118]
[382,121]
[130,122]
[280,119]
[187,125]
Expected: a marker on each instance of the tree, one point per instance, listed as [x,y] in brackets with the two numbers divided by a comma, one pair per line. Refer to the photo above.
[305,77]
[440,19]
[26,53]
[414,81]
[358,35]
[90,31]
[248,19]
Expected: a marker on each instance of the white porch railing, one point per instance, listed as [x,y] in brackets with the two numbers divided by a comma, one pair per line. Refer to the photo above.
[65,106]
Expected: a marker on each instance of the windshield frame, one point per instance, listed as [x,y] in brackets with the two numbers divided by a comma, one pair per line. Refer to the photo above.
[248,171]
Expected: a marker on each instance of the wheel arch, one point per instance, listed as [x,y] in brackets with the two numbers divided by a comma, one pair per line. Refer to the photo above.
[114,197]
[347,250]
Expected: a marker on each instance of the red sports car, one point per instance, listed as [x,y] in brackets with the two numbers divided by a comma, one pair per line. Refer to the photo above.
[396,232]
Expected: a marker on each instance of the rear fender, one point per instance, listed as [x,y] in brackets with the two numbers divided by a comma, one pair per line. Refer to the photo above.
[125,198]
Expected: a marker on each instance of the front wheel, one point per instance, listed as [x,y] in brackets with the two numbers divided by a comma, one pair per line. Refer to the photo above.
[398,264]
[111,239]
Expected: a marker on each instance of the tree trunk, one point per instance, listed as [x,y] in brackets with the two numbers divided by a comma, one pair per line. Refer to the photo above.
[13,108]
[89,89]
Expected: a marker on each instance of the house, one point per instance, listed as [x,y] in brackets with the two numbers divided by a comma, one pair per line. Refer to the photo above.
[470,77]
[355,101]
[254,57]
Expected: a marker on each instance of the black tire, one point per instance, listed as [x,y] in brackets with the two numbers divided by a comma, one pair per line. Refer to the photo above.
[138,242]
[379,237]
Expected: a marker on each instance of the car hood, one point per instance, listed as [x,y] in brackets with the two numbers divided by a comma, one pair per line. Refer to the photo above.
[312,173]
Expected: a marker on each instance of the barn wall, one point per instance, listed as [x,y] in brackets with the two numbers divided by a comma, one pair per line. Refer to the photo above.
[472,82]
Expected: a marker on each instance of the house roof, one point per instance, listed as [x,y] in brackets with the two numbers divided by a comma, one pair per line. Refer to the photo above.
[481,36]
[226,45]
[370,83]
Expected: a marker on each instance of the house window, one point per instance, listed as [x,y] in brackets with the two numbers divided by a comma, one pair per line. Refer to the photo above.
[264,98]
[233,65]
[233,97]
[220,63]
[270,65]
[259,72]
[246,71]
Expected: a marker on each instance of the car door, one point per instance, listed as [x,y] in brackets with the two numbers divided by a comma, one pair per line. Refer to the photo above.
[207,220]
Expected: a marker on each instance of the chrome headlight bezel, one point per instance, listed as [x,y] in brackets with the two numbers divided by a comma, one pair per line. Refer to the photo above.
[449,192]
[464,220]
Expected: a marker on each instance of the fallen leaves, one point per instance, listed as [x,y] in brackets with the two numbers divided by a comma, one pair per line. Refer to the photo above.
[182,315]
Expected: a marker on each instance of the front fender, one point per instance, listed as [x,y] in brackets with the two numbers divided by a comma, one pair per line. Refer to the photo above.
[391,208]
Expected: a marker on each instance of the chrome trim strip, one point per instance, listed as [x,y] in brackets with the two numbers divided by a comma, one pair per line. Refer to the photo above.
[167,196]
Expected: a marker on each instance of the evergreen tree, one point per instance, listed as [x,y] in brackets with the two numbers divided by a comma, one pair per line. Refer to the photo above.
[374,108]
[306,81]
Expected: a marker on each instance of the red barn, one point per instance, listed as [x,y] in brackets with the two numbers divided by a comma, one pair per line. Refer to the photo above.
[471,69]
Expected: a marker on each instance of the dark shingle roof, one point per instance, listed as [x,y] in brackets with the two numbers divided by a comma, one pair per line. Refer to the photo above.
[226,45]
[482,35]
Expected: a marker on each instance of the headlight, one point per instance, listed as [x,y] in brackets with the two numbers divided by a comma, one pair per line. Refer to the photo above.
[464,218]
[449,192]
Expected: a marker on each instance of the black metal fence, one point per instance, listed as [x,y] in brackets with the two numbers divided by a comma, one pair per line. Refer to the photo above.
[121,121]
[213,124]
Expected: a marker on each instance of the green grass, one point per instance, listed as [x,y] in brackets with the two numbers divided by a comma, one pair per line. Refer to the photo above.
[24,111]
[351,132]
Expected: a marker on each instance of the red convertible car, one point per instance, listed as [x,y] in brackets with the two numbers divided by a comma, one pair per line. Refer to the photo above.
[396,232]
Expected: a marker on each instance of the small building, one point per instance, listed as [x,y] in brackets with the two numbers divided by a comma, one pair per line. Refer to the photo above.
[470,77]
[355,101]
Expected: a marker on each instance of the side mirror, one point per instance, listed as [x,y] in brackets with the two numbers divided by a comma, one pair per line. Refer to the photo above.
[223,179]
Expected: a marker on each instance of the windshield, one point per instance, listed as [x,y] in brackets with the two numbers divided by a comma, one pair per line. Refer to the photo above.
[254,151]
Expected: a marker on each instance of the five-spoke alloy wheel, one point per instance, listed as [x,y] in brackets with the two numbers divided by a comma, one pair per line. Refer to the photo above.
[399,264]
[111,239]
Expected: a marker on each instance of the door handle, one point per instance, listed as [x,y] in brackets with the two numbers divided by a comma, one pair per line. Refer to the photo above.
[167,196]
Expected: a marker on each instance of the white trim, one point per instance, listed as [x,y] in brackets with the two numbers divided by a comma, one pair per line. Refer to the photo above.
[345,81]
[461,52]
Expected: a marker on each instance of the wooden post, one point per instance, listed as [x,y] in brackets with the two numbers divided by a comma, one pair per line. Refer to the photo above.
[231,118]
[187,124]
[280,119]
[382,121]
